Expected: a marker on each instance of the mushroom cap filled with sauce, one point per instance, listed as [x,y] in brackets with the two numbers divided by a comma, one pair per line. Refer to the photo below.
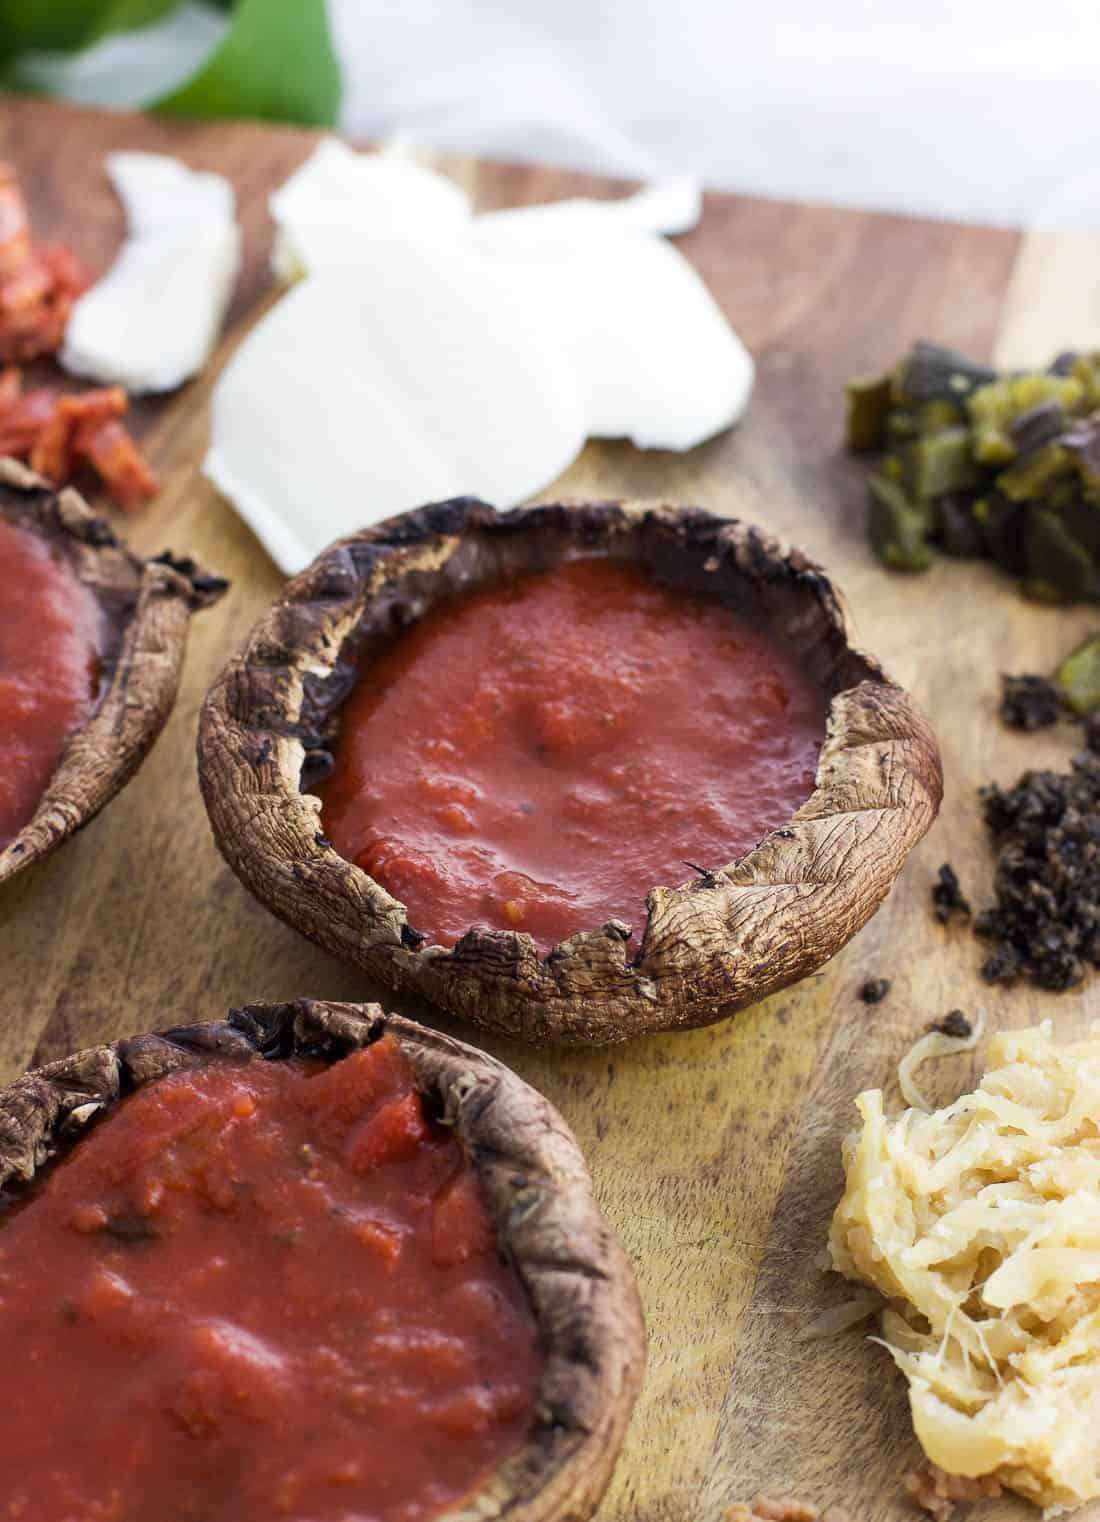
[92,640]
[318,1261]
[722,932]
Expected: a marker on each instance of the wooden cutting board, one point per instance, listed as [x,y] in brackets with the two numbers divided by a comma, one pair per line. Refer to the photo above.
[716,1152]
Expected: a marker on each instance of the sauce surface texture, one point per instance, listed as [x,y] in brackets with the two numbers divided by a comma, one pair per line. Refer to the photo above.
[260,1290]
[537,755]
[50,643]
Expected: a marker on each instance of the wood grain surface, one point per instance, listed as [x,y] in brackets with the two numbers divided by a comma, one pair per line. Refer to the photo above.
[715,1152]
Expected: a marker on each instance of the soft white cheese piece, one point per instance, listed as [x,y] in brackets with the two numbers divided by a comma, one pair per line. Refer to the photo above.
[150,323]
[429,353]
[159,193]
[654,356]
[338,201]
[420,373]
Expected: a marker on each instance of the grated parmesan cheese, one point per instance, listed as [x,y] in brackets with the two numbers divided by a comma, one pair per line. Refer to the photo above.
[980,1223]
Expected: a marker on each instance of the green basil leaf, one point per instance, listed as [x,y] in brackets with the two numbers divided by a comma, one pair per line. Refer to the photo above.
[63,26]
[276,63]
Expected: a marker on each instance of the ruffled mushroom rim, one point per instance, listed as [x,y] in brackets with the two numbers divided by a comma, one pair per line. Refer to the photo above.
[577,1277]
[735,934]
[147,606]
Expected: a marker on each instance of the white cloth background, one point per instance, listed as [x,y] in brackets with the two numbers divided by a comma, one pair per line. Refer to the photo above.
[977,109]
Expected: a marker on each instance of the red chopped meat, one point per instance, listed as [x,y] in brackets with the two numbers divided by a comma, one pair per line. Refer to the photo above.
[38,285]
[58,434]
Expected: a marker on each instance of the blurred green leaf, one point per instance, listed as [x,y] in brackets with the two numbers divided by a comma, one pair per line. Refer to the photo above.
[276,63]
[64,26]
[128,15]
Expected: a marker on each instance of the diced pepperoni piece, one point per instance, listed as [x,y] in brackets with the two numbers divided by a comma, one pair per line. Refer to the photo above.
[38,285]
[115,457]
[52,451]
[11,386]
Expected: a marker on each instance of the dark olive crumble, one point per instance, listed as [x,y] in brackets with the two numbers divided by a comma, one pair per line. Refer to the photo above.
[947,897]
[1046,831]
[875,990]
[1029,702]
[955,1024]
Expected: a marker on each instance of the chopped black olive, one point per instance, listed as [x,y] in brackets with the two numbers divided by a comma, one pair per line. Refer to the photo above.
[1001,966]
[955,1024]
[875,990]
[1029,702]
[1046,831]
[947,897]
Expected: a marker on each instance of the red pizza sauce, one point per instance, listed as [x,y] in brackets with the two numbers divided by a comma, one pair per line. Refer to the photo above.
[260,1290]
[50,651]
[538,754]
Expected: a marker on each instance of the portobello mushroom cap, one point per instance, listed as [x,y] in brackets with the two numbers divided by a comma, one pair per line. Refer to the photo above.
[147,607]
[731,936]
[578,1279]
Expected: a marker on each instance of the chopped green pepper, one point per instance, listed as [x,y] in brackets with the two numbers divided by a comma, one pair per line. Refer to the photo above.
[1082,519]
[1078,677]
[899,528]
[973,462]
[934,373]
[901,425]
[932,416]
[940,462]
[1031,480]
[957,532]
[868,405]
[1000,524]
[1059,569]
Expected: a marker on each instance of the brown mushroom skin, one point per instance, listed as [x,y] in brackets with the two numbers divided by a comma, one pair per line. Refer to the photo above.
[579,1281]
[709,947]
[147,606]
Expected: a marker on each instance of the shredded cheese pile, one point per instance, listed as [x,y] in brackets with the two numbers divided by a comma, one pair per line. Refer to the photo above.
[980,1223]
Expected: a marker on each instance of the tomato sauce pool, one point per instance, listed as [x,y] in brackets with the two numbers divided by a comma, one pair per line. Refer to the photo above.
[536,755]
[50,652]
[260,1290]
